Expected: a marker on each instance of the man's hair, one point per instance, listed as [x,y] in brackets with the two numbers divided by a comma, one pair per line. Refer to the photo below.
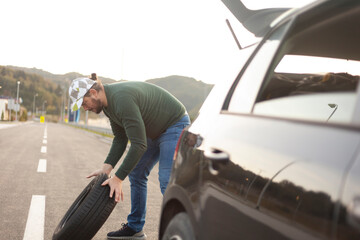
[96,86]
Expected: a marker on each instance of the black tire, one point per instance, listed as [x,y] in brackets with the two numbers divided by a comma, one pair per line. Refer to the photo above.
[179,228]
[88,212]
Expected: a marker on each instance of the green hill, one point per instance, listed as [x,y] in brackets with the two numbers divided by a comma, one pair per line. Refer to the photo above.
[50,87]
[61,79]
[189,91]
[30,84]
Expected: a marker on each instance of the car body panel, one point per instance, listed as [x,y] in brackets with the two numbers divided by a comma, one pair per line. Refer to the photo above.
[242,172]
[212,106]
[184,189]
[262,160]
[348,218]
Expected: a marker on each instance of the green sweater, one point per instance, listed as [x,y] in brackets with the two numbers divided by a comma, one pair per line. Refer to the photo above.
[137,111]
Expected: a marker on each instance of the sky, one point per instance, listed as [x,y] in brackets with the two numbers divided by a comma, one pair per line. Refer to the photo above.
[124,39]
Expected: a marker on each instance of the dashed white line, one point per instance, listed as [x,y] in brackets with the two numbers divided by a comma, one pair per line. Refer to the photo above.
[44,141]
[42,165]
[3,126]
[34,229]
[43,149]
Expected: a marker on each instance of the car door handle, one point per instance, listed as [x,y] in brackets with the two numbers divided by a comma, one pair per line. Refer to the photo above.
[217,159]
[217,155]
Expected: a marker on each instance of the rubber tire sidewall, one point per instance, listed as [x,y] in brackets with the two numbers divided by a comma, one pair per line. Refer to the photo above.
[78,226]
[180,226]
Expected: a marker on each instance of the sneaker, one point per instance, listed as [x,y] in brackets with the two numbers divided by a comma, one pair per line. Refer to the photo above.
[126,233]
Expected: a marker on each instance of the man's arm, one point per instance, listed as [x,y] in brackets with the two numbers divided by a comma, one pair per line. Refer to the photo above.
[116,151]
[118,144]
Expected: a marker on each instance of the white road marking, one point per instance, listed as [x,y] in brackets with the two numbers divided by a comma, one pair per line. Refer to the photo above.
[45,136]
[34,229]
[42,165]
[9,125]
[44,141]
[43,149]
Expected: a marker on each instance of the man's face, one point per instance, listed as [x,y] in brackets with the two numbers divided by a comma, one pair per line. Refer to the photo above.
[92,104]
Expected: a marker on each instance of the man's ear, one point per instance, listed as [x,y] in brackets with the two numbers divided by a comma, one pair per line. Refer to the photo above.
[93,92]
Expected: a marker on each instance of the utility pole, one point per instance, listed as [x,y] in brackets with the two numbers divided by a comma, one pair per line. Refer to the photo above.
[33,114]
[17,101]
[10,109]
[43,111]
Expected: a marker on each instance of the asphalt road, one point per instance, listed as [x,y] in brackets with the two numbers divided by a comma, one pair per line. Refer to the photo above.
[71,154]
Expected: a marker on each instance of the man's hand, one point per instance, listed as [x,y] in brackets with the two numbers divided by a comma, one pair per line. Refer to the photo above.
[105,169]
[115,185]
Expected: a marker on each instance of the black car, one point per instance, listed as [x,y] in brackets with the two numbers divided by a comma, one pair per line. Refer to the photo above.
[275,153]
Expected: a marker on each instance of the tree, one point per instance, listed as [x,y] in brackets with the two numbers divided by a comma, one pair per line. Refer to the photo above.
[2,116]
[23,116]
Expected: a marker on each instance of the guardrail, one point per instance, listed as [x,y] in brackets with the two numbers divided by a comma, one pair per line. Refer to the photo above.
[100,130]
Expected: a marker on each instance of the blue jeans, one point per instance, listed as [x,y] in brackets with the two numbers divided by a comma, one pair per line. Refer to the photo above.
[159,150]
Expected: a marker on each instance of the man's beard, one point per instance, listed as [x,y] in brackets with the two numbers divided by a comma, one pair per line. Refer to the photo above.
[98,106]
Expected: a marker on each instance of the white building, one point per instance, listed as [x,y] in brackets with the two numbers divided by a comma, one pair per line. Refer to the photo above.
[4,109]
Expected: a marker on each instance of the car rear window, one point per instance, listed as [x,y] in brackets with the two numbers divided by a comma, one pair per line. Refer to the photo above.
[316,72]
[304,87]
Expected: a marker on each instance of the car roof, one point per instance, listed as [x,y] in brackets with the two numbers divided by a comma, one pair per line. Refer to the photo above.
[330,29]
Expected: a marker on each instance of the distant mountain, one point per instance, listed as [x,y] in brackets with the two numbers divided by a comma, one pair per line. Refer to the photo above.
[189,91]
[48,92]
[61,79]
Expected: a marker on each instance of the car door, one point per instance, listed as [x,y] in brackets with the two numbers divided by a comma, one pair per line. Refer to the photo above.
[348,217]
[279,174]
[223,178]
[275,158]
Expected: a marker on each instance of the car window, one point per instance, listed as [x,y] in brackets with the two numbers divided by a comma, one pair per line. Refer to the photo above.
[248,85]
[315,73]
[308,69]
[310,88]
